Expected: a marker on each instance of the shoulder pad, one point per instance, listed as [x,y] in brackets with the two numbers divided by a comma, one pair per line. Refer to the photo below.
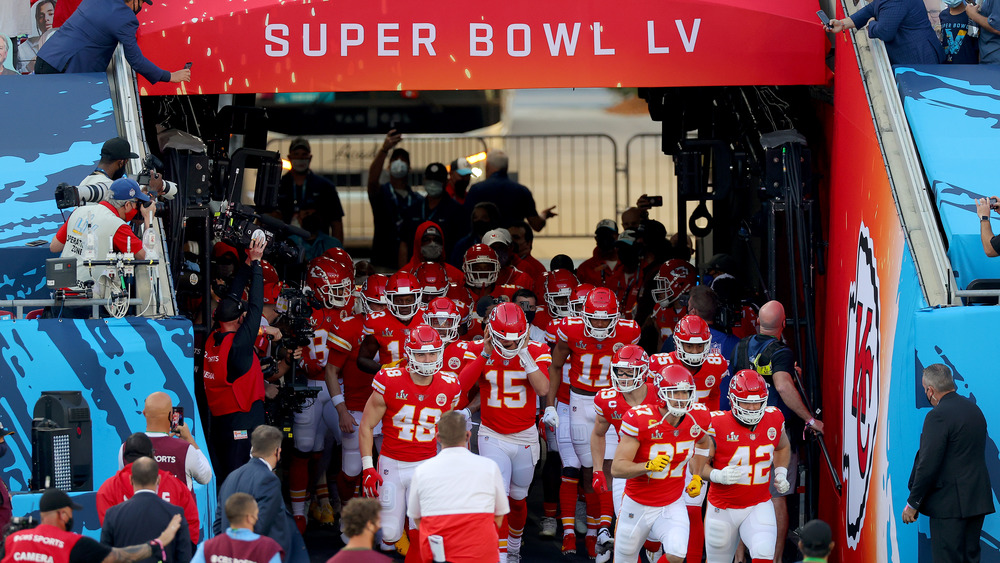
[718,413]
[628,323]
[572,321]
[699,407]
[609,393]
[771,409]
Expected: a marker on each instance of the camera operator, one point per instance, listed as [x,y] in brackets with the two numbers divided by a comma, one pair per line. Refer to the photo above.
[53,540]
[234,381]
[991,243]
[91,229]
[115,154]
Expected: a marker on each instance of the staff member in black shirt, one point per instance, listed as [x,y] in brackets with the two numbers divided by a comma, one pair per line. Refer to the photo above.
[234,382]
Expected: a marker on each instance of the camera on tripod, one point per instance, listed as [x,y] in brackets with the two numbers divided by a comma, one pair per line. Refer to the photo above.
[236,223]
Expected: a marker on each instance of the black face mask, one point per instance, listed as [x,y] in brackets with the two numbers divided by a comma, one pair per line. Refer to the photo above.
[461,185]
[480,228]
[529,316]
[69,524]
[120,172]
[221,289]
[605,244]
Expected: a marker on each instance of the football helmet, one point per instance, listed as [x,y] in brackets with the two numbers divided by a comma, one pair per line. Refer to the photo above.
[270,274]
[481,266]
[340,255]
[331,282]
[463,300]
[671,380]
[423,340]
[402,294]
[748,387]
[373,293]
[508,324]
[673,279]
[601,305]
[629,366]
[559,286]
[433,279]
[577,298]
[692,329]
[443,315]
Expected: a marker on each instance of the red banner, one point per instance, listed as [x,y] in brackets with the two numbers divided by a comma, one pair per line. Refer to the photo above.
[263,46]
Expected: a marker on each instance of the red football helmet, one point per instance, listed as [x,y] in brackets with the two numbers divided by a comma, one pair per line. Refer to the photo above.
[692,329]
[481,266]
[601,306]
[373,293]
[559,286]
[270,274]
[671,381]
[673,278]
[424,340]
[330,281]
[463,300]
[747,387]
[340,255]
[443,314]
[402,294]
[577,298]
[628,368]
[508,329]
[433,280]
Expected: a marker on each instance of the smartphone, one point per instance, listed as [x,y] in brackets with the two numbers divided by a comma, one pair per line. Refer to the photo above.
[655,200]
[994,203]
[823,17]
[187,66]
[176,417]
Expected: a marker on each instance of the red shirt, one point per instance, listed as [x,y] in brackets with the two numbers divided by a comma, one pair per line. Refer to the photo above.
[326,324]
[122,236]
[657,437]
[409,425]
[752,448]
[511,275]
[590,358]
[595,271]
[509,402]
[666,318]
[531,266]
[707,376]
[611,405]
[118,489]
[356,384]
[390,333]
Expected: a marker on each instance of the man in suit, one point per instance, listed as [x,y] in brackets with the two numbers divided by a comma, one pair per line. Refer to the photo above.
[949,482]
[903,26]
[257,479]
[141,518]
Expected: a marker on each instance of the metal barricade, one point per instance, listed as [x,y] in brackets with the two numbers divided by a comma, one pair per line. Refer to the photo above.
[649,171]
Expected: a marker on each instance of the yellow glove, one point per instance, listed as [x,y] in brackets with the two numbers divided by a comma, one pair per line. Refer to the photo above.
[391,364]
[658,463]
[694,487]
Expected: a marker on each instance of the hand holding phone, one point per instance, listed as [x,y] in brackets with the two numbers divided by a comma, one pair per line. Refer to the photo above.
[655,201]
[994,203]
[187,66]
[823,18]
[176,417]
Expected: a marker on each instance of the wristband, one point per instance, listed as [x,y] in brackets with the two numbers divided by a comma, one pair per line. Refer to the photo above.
[701,451]
[527,362]
[781,472]
[156,550]
[810,422]
[337,400]
[367,463]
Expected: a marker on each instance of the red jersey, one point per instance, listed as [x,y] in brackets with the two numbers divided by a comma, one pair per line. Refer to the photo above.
[470,351]
[542,318]
[611,405]
[390,333]
[590,359]
[355,383]
[657,437]
[551,333]
[496,291]
[515,277]
[409,425]
[752,448]
[326,337]
[666,318]
[509,402]
[707,376]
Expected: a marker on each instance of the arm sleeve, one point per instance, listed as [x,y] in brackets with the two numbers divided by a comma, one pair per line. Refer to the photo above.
[134,56]
[861,17]
[933,443]
[88,550]
[270,505]
[241,352]
[61,233]
[197,466]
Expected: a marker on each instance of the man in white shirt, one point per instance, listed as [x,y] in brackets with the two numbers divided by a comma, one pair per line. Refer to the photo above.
[459,497]
[176,450]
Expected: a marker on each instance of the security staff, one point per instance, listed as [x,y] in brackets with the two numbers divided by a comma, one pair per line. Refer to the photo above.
[234,382]
[53,541]
[115,154]
[97,229]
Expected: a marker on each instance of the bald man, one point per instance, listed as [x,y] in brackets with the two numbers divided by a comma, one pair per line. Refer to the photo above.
[176,450]
[632,217]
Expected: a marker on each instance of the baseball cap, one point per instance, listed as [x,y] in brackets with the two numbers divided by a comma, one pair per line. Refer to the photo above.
[495,236]
[436,172]
[815,535]
[607,224]
[461,166]
[299,143]
[4,432]
[627,237]
[54,499]
[124,189]
[117,149]
[230,309]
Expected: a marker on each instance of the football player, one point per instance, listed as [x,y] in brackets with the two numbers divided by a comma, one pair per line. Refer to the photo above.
[512,373]
[673,280]
[408,403]
[482,269]
[749,439]
[433,278]
[589,343]
[386,331]
[629,367]
[373,295]
[556,291]
[657,444]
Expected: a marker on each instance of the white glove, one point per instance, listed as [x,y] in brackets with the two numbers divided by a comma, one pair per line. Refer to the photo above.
[550,417]
[781,480]
[728,475]
[527,362]
[467,414]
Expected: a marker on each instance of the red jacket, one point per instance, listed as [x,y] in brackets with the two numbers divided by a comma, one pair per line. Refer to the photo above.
[118,489]
[594,271]
[531,266]
[454,274]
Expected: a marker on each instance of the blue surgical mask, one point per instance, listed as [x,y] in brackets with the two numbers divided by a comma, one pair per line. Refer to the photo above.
[398,168]
[954,3]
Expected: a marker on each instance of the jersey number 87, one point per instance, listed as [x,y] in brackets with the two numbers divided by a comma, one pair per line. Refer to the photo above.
[668,450]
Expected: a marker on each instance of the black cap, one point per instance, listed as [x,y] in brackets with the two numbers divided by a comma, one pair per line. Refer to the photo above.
[815,536]
[436,172]
[117,149]
[54,499]
[4,432]
[484,303]
[230,309]
[299,143]
[137,445]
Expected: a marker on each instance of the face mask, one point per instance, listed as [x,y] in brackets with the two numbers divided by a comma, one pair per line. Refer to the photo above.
[433,188]
[398,169]
[69,524]
[129,215]
[605,244]
[431,251]
[480,228]
[529,316]
[954,3]
[300,165]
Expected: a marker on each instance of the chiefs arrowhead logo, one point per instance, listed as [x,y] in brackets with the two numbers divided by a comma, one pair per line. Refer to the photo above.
[862,386]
